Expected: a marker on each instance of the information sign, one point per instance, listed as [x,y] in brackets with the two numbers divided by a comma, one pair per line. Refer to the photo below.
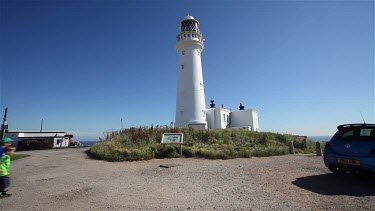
[172,138]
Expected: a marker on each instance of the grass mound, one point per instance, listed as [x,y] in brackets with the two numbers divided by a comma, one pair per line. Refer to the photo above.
[143,143]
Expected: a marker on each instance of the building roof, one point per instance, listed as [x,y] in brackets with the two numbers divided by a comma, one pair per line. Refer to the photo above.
[35,132]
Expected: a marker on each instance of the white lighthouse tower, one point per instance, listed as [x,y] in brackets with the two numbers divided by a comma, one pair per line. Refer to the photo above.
[190,104]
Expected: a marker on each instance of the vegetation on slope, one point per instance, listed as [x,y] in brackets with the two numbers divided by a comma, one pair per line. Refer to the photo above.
[18,156]
[143,143]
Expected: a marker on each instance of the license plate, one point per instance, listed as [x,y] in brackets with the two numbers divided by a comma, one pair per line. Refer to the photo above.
[349,161]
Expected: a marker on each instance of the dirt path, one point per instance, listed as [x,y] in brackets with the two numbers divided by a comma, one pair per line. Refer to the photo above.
[67,179]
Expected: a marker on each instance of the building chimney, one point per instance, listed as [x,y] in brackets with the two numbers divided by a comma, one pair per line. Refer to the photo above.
[242,107]
[212,105]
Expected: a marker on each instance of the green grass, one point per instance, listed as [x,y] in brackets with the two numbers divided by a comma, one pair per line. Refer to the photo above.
[18,156]
[143,143]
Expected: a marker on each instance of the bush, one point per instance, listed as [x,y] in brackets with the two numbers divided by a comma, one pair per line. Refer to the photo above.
[168,151]
[271,151]
[143,143]
[18,156]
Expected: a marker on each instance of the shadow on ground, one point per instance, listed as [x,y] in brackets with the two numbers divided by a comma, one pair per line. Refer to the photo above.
[91,156]
[332,184]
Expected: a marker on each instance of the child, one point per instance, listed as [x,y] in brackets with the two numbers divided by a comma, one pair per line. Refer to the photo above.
[5,142]
[4,171]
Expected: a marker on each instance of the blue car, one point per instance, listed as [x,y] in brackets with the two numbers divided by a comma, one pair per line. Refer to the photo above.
[351,149]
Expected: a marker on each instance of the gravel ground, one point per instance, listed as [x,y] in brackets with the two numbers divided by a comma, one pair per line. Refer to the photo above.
[66,179]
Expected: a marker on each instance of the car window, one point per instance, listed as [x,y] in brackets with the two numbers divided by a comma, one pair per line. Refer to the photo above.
[366,132]
[356,133]
[348,134]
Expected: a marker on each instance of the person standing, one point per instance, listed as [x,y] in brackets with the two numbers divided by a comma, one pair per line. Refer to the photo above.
[4,171]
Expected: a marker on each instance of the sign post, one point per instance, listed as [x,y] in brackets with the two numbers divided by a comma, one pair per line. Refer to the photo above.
[4,126]
[173,138]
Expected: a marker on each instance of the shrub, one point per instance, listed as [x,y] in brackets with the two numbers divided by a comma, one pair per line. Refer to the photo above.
[271,151]
[167,151]
[18,156]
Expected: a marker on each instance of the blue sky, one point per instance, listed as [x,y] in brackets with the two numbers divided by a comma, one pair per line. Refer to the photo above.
[305,66]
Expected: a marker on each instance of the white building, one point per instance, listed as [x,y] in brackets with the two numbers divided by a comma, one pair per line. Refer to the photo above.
[245,119]
[39,140]
[190,103]
[218,117]
[224,118]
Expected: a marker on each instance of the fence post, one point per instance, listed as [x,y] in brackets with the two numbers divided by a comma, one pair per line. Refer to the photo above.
[318,149]
[291,147]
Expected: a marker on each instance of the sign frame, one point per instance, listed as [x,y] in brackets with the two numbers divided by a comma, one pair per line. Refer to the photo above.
[172,138]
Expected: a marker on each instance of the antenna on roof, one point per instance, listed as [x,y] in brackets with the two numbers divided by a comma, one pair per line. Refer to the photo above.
[362,117]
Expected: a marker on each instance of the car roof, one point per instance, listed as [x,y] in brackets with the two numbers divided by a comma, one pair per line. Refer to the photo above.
[348,126]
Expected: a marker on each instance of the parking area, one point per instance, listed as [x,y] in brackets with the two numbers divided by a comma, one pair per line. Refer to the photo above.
[68,179]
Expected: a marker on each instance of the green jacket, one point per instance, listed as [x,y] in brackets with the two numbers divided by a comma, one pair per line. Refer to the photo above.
[4,165]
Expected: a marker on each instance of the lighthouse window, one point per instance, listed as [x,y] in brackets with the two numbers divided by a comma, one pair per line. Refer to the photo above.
[189,25]
[183,52]
[182,66]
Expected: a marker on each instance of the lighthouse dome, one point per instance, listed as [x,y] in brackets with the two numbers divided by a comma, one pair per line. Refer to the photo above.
[188,17]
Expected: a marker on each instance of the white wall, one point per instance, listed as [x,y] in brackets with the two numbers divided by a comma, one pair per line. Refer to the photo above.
[217,117]
[37,134]
[222,117]
[190,103]
[244,118]
[210,117]
[60,142]
[255,121]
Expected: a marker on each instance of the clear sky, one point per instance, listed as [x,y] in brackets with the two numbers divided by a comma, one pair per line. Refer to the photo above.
[82,66]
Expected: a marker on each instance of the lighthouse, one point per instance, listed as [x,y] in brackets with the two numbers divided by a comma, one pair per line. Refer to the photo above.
[190,102]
